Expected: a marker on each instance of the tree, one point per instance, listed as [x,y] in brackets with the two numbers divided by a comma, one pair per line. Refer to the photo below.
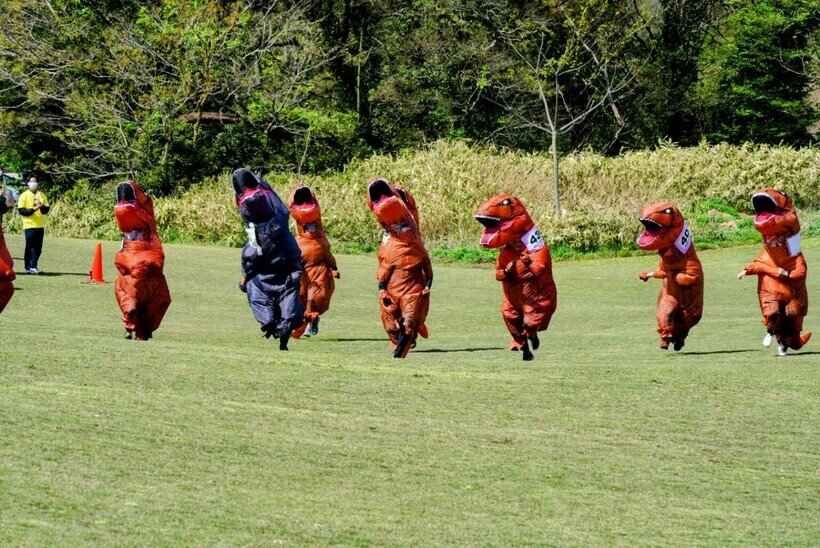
[672,39]
[571,68]
[757,80]
[98,87]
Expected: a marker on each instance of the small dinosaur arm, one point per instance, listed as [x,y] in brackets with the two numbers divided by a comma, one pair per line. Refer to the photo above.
[6,263]
[780,269]
[318,263]
[680,302]
[524,268]
[405,274]
[141,288]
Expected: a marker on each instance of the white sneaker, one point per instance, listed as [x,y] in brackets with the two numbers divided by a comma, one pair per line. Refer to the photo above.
[30,271]
[767,340]
[35,271]
[782,349]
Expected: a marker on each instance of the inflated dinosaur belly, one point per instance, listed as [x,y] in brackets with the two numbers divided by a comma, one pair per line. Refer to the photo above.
[141,288]
[680,302]
[405,274]
[6,263]
[781,270]
[524,268]
[271,260]
[318,263]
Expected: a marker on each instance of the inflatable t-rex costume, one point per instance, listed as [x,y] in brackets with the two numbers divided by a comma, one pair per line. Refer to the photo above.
[271,260]
[141,289]
[405,274]
[680,302]
[318,262]
[6,263]
[524,268]
[780,270]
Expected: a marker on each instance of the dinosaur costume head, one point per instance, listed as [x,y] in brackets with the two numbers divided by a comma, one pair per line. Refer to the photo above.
[505,220]
[134,210]
[304,207]
[774,213]
[256,200]
[391,207]
[409,201]
[663,223]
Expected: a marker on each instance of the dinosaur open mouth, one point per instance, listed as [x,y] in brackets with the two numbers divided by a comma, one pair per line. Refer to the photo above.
[303,199]
[492,225]
[244,180]
[765,208]
[652,231]
[129,212]
[125,193]
[379,191]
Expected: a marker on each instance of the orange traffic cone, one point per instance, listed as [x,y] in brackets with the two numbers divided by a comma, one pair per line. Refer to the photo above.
[95,276]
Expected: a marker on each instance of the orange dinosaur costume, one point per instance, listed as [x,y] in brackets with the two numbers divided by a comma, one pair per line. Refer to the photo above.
[405,274]
[6,263]
[141,289]
[318,263]
[781,270]
[680,302]
[524,268]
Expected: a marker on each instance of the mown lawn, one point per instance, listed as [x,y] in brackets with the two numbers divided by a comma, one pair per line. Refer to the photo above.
[209,435]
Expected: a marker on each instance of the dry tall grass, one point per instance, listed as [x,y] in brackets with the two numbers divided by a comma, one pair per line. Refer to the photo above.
[601,196]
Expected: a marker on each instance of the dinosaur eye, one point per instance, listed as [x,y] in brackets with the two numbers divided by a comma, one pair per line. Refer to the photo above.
[506,202]
[668,211]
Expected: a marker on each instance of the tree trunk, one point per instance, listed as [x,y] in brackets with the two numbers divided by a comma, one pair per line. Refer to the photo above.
[165,151]
[359,74]
[554,151]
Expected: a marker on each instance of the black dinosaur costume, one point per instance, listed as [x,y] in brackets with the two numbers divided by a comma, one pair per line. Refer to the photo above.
[271,260]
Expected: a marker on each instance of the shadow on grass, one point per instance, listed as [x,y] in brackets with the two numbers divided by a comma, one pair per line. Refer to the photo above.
[351,339]
[50,274]
[799,353]
[446,351]
[705,352]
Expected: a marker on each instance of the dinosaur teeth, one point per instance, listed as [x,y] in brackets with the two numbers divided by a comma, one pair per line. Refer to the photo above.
[487,221]
[651,226]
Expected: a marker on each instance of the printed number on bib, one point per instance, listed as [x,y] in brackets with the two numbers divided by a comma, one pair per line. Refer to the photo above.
[684,241]
[532,240]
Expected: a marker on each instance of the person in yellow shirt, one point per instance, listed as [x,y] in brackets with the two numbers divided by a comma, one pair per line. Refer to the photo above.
[33,206]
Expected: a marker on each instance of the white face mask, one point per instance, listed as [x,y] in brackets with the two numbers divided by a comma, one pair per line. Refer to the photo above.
[32,186]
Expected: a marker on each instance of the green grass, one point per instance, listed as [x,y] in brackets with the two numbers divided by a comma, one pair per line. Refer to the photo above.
[209,435]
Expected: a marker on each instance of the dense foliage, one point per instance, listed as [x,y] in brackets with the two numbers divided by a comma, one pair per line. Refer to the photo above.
[173,91]
[712,184]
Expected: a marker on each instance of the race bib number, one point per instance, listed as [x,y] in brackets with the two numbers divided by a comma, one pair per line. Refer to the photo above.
[794,244]
[532,240]
[684,241]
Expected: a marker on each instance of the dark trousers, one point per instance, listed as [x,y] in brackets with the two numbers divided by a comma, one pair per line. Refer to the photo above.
[34,246]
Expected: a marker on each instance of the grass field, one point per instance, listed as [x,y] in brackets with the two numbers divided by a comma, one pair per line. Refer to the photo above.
[209,435]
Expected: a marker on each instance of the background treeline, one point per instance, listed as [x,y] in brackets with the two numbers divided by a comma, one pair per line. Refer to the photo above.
[175,91]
